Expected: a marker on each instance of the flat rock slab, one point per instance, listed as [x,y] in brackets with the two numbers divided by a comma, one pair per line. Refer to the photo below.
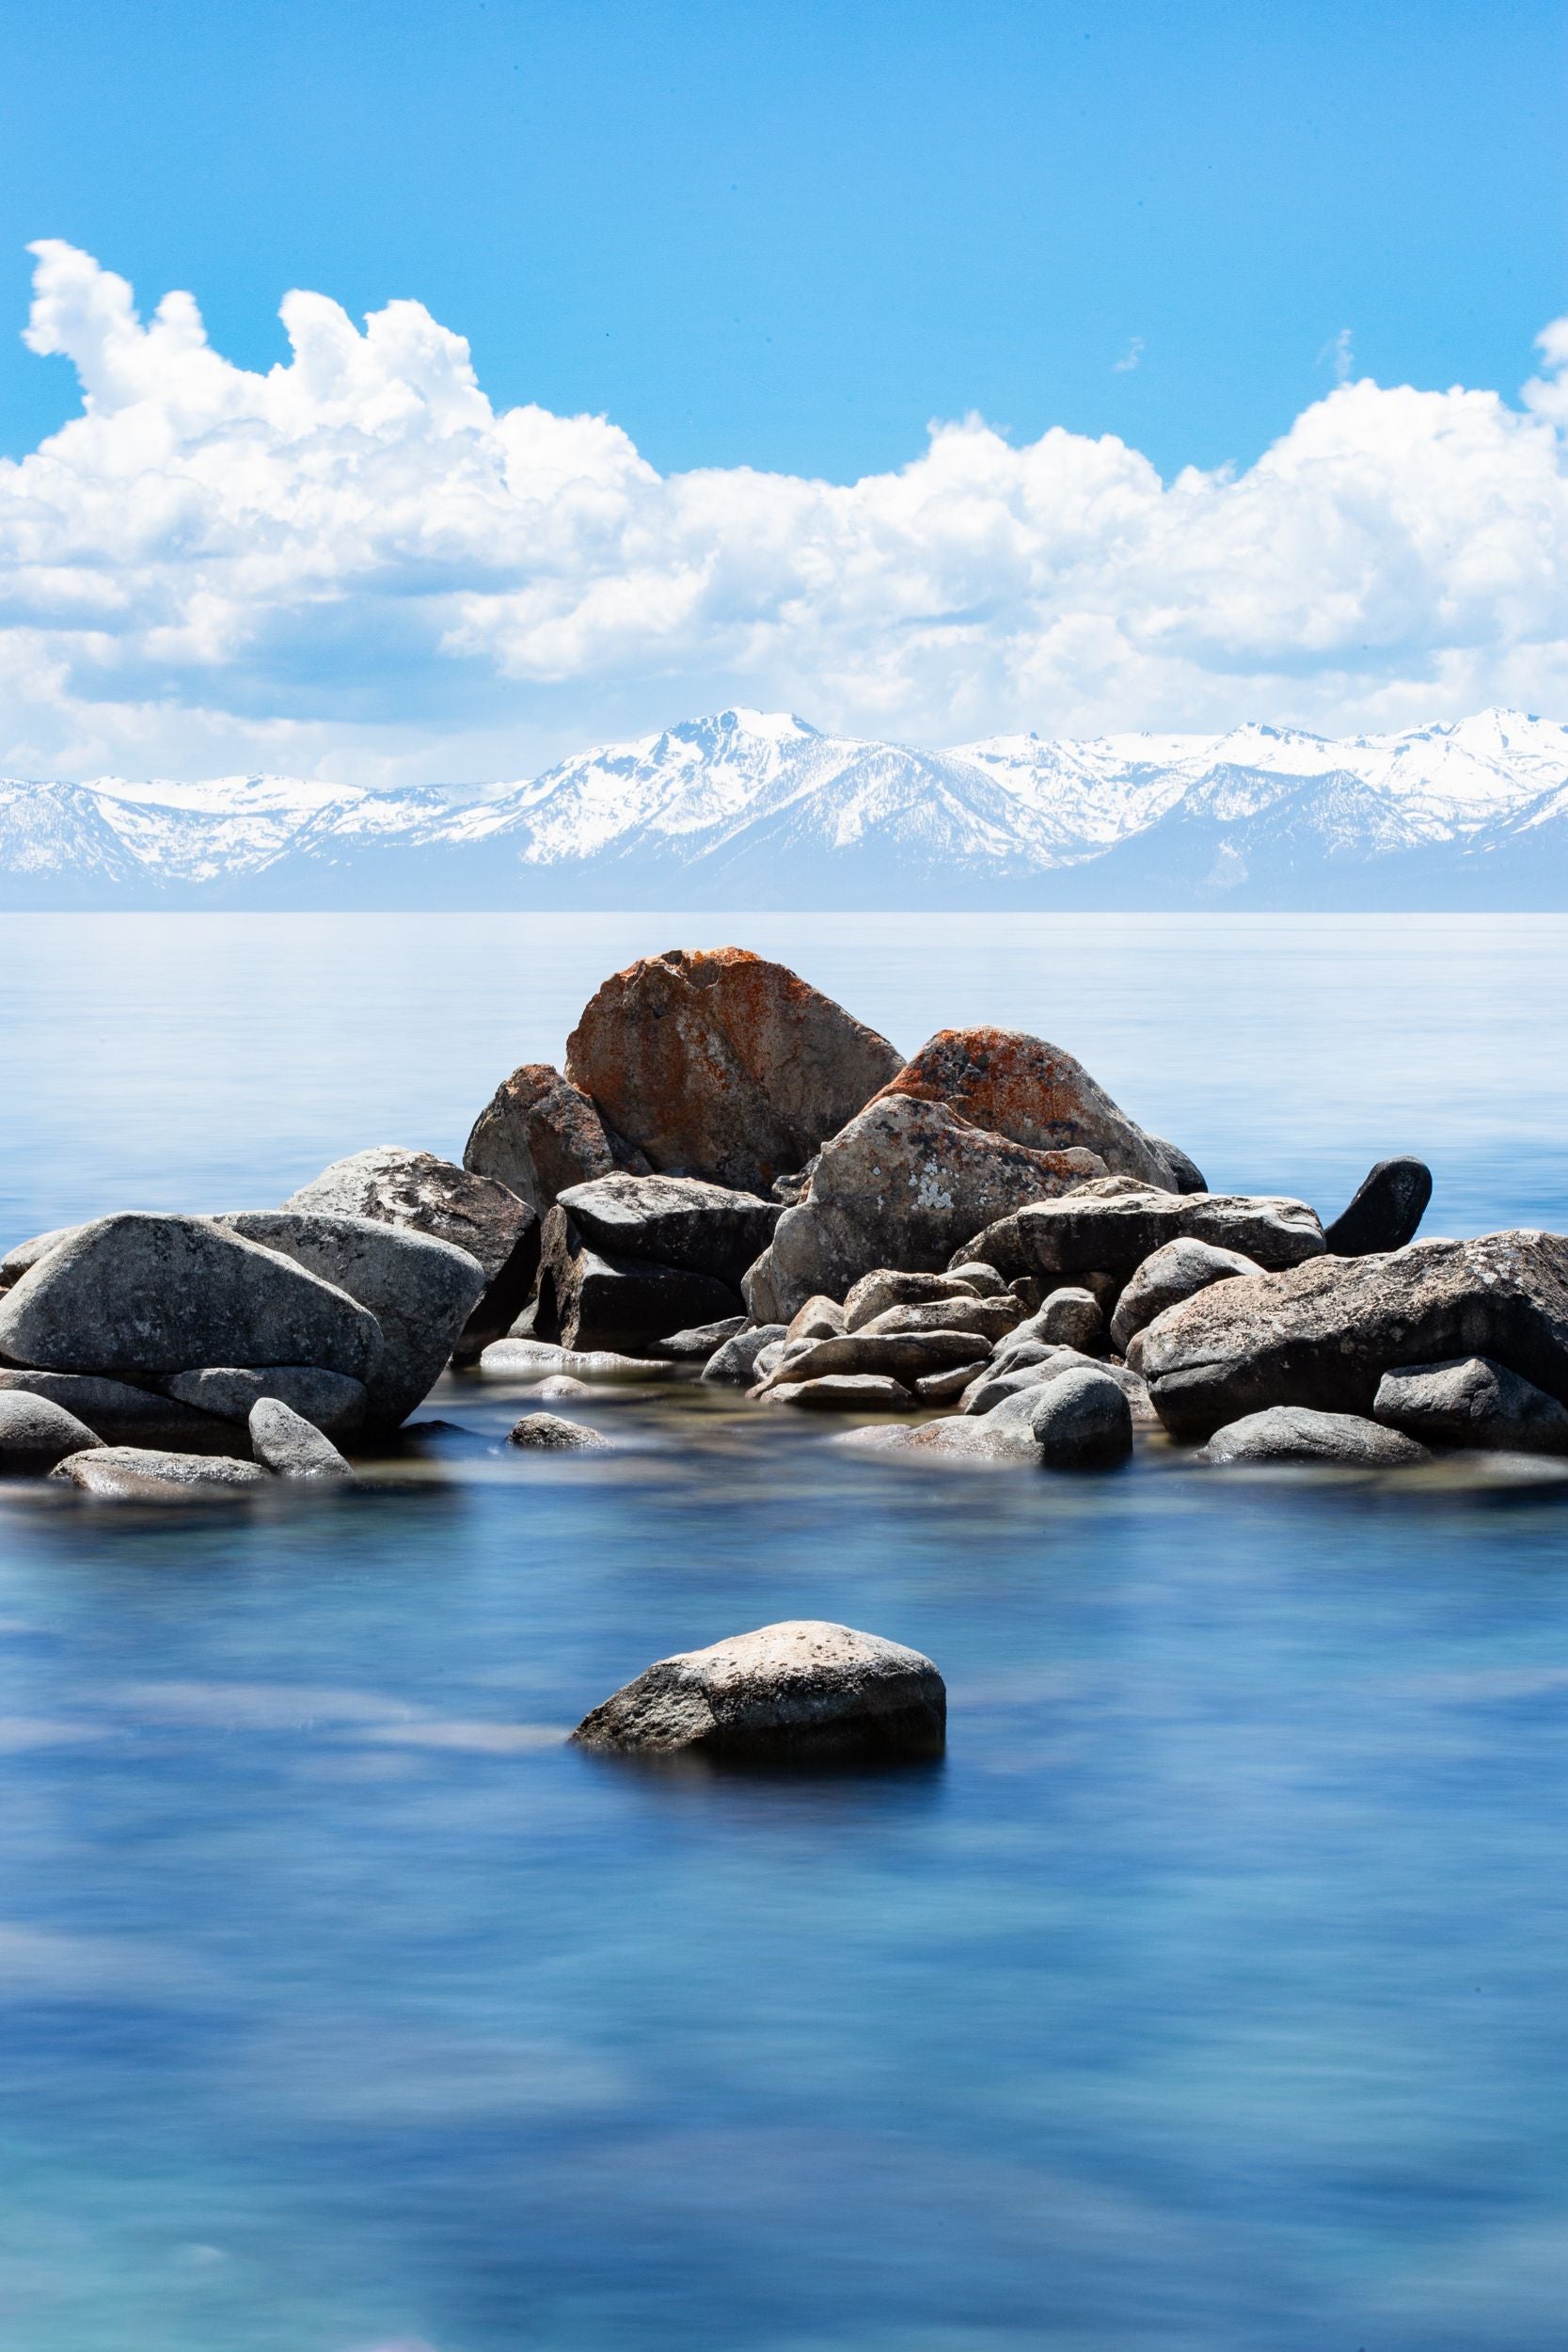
[674,1221]
[125,1473]
[802,1692]
[550,1433]
[720,1064]
[1387,1207]
[36,1433]
[1095,1233]
[906,1356]
[1472,1402]
[148,1293]
[292,1447]
[842,1393]
[984,1319]
[534,1359]
[1324,1334]
[1294,1433]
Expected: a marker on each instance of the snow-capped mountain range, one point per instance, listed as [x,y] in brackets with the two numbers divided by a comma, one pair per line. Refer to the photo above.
[753,810]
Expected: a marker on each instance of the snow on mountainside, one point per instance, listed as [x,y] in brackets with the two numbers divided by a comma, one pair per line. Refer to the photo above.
[752,809]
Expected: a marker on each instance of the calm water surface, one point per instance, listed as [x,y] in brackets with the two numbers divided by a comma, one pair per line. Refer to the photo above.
[1213,1997]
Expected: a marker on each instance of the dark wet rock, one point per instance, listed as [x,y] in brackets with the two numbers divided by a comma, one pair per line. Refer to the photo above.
[1094,1232]
[1384,1212]
[900,1186]
[538,1135]
[1178,1270]
[332,1404]
[886,1286]
[842,1393]
[697,1344]
[801,1692]
[1472,1402]
[126,1473]
[987,1319]
[1296,1433]
[1082,1420]
[820,1318]
[735,1364]
[420,1290]
[548,1432]
[422,1194]
[720,1064]
[1324,1334]
[148,1294]
[123,1414]
[1017,1086]
[906,1356]
[36,1433]
[673,1222]
[590,1299]
[292,1447]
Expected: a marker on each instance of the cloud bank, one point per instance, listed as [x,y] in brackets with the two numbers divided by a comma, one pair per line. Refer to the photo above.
[354,564]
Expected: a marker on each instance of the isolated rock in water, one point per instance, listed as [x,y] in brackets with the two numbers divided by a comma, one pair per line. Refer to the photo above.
[335,1406]
[1387,1206]
[421,1290]
[901,1187]
[674,1220]
[564,1384]
[422,1194]
[548,1433]
[906,1356]
[123,1415]
[128,1474]
[820,1318]
[1069,1317]
[1472,1402]
[735,1364]
[25,1255]
[720,1064]
[1092,1233]
[539,1133]
[697,1344]
[292,1447]
[1294,1433]
[987,1320]
[1178,1270]
[1017,1086]
[798,1692]
[1324,1334]
[1082,1420]
[36,1433]
[142,1293]
[589,1299]
[843,1392]
[886,1286]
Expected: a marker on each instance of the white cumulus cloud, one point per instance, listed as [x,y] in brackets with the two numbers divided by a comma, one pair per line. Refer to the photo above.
[354,564]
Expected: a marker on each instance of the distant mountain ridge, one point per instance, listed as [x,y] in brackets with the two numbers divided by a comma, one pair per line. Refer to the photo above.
[748,809]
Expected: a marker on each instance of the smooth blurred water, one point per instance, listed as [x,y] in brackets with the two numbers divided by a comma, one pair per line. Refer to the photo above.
[1212,1996]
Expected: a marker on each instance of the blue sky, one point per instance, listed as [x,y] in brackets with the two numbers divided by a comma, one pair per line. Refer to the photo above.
[932,372]
[788,236]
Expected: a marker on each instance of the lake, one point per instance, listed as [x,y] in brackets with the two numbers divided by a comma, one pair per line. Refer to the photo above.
[1211,1997]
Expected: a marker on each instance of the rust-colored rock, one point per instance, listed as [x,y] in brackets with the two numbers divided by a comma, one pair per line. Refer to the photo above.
[1017,1086]
[538,1135]
[717,1063]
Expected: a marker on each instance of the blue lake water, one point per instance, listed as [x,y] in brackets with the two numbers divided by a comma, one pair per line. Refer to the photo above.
[1212,1996]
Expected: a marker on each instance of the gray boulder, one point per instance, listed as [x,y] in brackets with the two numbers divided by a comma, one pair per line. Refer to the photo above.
[421,1290]
[1294,1433]
[842,1393]
[25,1254]
[819,1319]
[698,1342]
[801,1692]
[126,1473]
[1081,1421]
[1324,1334]
[122,1414]
[948,1386]
[1092,1232]
[1178,1270]
[1387,1206]
[36,1433]
[1069,1316]
[673,1222]
[1471,1402]
[983,1279]
[591,1299]
[335,1406]
[984,1319]
[292,1447]
[906,1356]
[422,1194]
[539,1134]
[734,1365]
[900,1185]
[548,1433]
[148,1293]
[875,1293]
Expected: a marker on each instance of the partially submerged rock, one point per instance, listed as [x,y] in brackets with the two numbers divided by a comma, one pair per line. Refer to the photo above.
[549,1432]
[332,1404]
[122,1414]
[900,1185]
[1387,1206]
[1295,1433]
[842,1393]
[1017,1086]
[720,1064]
[1089,1231]
[800,1693]
[673,1222]
[292,1447]
[735,1364]
[1472,1402]
[533,1360]
[1324,1334]
[1081,1421]
[125,1473]
[539,1134]
[905,1356]
[36,1433]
